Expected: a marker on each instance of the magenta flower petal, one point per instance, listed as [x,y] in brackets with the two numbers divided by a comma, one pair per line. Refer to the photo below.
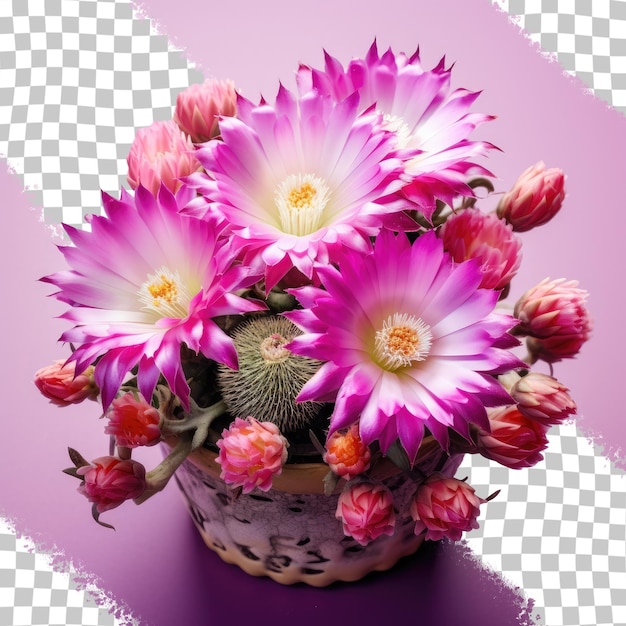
[419,107]
[144,281]
[298,180]
[323,385]
[398,365]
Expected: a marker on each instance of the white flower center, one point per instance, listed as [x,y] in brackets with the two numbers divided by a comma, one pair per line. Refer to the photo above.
[402,340]
[396,124]
[301,200]
[166,294]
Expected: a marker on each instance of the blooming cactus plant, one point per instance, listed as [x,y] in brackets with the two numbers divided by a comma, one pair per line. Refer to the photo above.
[313,279]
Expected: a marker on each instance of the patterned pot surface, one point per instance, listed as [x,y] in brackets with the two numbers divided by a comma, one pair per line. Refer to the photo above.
[293,537]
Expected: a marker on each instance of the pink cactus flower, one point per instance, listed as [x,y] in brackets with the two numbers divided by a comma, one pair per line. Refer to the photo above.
[366,511]
[109,481]
[543,398]
[299,180]
[165,276]
[472,234]
[515,440]
[424,113]
[346,454]
[555,317]
[408,342]
[445,507]
[59,383]
[251,454]
[534,199]
[133,422]
[160,153]
[199,106]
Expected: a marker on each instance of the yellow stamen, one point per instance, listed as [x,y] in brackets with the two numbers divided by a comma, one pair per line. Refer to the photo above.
[302,197]
[165,290]
[301,200]
[403,340]
[165,294]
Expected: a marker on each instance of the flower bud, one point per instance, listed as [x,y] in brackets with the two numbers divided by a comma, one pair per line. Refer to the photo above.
[251,453]
[199,106]
[554,316]
[58,382]
[445,507]
[133,422]
[160,153]
[366,511]
[543,398]
[534,199]
[346,454]
[515,441]
[472,234]
[109,481]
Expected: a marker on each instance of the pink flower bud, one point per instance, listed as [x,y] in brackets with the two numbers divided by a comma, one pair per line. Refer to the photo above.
[534,199]
[472,234]
[366,511]
[346,454]
[251,453]
[199,106]
[515,441]
[542,398]
[160,153]
[445,507]
[109,481]
[133,422]
[58,382]
[555,317]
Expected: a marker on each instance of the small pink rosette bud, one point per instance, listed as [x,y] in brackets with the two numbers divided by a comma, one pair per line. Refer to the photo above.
[554,316]
[445,507]
[543,398]
[346,454]
[160,153]
[109,481]
[251,454]
[515,440]
[58,382]
[366,511]
[534,199]
[472,234]
[133,422]
[199,106]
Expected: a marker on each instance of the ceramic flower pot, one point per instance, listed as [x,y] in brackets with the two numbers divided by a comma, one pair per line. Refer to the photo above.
[290,533]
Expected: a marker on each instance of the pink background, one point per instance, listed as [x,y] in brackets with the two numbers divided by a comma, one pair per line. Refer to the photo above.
[541,115]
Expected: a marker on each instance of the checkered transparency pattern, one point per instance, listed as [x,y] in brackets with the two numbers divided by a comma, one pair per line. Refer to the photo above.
[587,37]
[77,77]
[557,530]
[32,592]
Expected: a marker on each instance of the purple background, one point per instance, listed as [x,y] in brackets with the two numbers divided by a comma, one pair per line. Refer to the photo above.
[154,562]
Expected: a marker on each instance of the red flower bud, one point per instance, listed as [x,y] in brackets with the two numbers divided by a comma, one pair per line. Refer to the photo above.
[445,507]
[534,199]
[58,382]
[542,398]
[366,511]
[515,441]
[554,316]
[109,481]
